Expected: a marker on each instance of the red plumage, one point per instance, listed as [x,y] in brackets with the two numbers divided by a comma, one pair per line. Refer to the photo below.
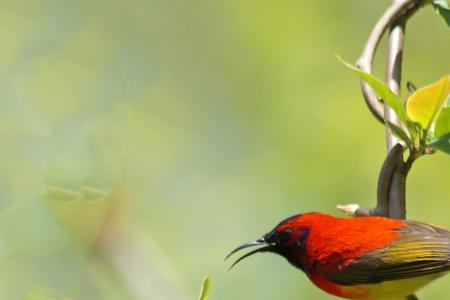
[334,242]
[360,258]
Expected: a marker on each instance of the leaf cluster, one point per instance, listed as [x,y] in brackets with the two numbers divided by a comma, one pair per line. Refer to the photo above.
[425,116]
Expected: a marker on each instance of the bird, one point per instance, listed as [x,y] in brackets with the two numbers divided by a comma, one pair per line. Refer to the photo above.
[362,258]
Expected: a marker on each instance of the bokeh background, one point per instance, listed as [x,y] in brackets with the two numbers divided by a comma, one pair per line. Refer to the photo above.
[142,140]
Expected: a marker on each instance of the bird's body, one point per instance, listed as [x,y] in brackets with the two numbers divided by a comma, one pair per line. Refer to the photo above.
[387,290]
[370,258]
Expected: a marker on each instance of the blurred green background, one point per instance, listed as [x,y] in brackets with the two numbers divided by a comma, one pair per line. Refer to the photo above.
[142,140]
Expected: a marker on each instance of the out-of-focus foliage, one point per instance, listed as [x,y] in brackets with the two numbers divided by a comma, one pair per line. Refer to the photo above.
[199,125]
[81,213]
[43,295]
[204,292]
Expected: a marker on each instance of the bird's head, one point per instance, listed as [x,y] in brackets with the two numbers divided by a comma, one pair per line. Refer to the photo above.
[287,239]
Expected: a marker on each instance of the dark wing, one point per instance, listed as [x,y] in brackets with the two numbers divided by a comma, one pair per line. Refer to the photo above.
[420,250]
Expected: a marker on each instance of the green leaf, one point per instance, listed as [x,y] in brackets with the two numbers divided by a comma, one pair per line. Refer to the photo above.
[83,213]
[425,104]
[442,126]
[381,89]
[204,292]
[442,143]
[443,9]
[398,132]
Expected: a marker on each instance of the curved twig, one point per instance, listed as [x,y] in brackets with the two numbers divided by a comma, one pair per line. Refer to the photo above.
[394,76]
[399,8]
[397,181]
[391,187]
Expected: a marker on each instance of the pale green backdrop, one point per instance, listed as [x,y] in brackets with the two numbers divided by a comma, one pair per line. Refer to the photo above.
[143,140]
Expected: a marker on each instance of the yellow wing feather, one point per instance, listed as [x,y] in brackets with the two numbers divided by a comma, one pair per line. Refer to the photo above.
[421,250]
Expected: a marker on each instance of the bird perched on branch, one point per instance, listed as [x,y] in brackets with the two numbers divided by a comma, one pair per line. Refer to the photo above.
[373,258]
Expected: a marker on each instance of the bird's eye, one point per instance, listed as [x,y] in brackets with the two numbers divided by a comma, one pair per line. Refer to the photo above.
[285,236]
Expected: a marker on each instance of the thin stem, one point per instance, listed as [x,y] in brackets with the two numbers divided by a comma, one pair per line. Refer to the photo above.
[392,181]
[394,76]
[397,184]
[391,190]
[365,62]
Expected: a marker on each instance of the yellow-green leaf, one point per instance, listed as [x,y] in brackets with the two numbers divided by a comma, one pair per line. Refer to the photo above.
[424,104]
[204,292]
[442,123]
[381,89]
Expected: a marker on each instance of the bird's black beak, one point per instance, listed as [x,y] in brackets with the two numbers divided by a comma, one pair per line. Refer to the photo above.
[261,241]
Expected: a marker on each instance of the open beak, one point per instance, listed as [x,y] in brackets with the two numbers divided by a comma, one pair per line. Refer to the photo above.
[254,243]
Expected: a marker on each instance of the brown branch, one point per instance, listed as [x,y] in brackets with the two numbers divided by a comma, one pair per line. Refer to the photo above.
[397,184]
[397,192]
[394,76]
[384,180]
[391,189]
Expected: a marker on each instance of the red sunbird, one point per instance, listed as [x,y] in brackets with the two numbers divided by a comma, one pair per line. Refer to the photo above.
[372,258]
